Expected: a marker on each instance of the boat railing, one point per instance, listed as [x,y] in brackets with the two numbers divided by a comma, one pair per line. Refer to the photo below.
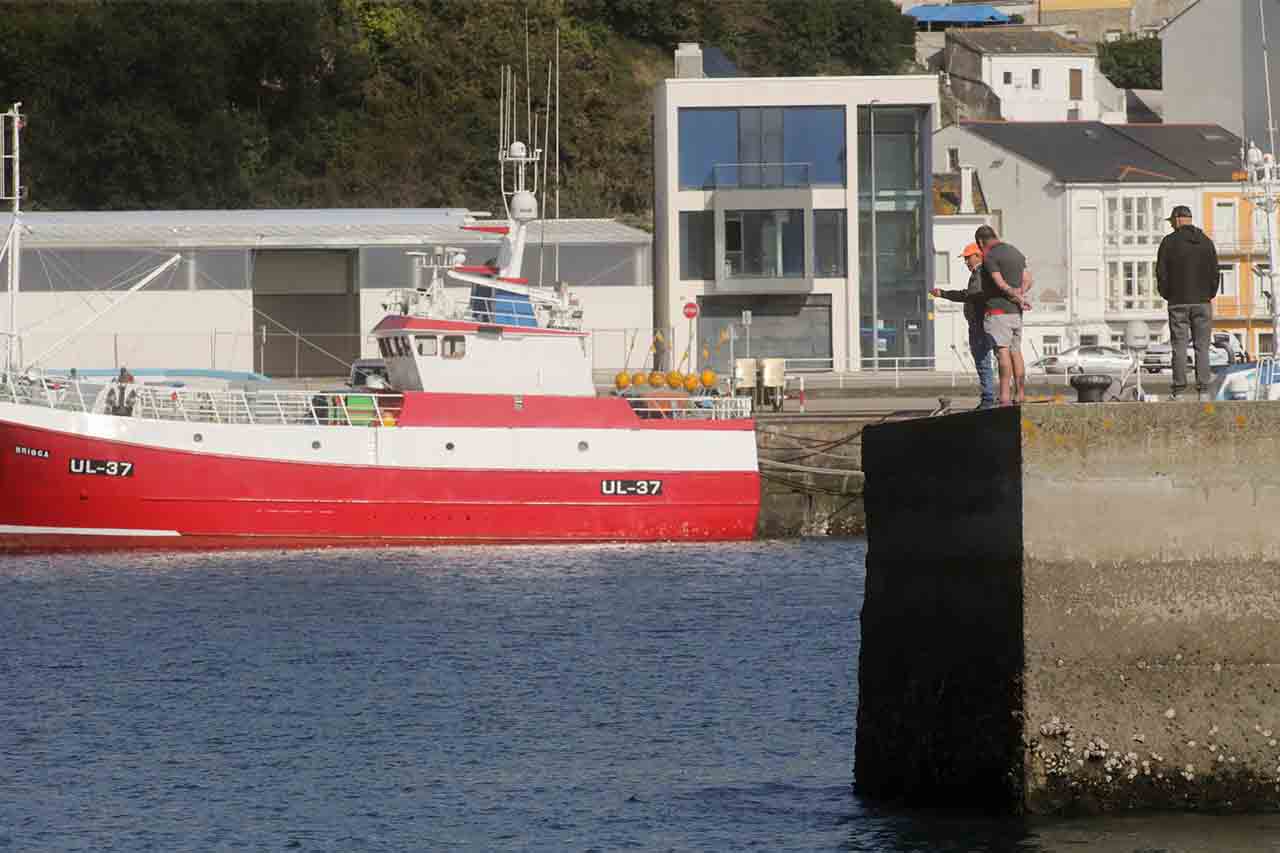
[691,408]
[199,405]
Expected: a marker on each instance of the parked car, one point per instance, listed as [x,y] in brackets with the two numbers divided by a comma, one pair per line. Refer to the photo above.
[1159,357]
[1091,359]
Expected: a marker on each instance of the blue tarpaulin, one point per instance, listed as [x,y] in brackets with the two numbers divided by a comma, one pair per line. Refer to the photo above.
[966,14]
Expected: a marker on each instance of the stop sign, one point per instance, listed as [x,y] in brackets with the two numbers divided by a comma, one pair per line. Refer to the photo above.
[690,310]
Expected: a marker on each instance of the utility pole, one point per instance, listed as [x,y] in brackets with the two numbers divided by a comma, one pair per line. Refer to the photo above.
[1263,189]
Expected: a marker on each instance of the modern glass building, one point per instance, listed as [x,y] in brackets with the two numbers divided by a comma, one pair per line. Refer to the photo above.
[757,210]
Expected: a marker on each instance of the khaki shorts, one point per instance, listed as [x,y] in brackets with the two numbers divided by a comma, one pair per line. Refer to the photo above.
[1005,330]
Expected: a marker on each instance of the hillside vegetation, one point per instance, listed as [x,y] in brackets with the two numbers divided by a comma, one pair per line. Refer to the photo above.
[351,103]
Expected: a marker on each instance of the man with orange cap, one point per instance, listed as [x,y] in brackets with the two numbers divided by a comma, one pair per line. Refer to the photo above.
[980,344]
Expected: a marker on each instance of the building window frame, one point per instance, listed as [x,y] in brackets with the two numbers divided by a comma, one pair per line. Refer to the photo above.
[1134,220]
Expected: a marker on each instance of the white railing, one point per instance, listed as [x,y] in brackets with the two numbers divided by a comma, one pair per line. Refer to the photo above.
[286,406]
[195,405]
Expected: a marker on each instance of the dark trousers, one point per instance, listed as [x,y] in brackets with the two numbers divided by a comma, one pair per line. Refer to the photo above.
[1194,322]
[980,345]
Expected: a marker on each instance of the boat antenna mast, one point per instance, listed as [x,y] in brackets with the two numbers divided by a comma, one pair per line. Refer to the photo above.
[520,180]
[11,190]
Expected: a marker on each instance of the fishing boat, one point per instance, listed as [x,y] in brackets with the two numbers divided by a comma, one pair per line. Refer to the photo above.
[490,430]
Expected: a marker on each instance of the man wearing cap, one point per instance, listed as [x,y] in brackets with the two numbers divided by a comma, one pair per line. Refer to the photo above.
[979,340]
[1005,282]
[1187,278]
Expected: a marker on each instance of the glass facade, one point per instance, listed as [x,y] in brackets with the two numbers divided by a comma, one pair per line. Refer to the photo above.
[697,244]
[760,147]
[895,246]
[830,244]
[782,326]
[763,243]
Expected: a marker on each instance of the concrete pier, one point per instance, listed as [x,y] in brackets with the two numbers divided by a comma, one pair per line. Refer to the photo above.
[1073,608]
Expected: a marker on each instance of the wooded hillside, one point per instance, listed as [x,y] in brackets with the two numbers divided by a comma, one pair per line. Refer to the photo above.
[345,103]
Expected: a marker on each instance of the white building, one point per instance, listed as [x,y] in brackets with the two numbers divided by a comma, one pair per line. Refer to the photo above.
[757,209]
[285,292]
[959,208]
[1086,202]
[1032,74]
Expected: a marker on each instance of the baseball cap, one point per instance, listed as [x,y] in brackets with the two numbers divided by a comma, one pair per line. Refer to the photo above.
[1180,210]
[971,249]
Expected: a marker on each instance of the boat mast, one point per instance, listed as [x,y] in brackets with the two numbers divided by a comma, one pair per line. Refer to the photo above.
[12,191]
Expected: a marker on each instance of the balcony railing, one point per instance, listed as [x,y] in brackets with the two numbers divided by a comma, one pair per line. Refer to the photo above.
[760,176]
[1231,245]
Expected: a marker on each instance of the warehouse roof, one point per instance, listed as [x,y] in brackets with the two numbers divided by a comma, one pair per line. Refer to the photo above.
[315,228]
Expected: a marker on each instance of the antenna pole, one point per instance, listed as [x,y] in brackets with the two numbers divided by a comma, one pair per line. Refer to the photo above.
[528,81]
[13,350]
[542,200]
[557,236]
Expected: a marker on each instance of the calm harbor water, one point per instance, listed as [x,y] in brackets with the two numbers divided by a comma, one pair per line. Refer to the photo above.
[549,699]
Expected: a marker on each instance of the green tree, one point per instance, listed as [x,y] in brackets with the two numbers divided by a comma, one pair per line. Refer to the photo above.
[1132,62]
[808,37]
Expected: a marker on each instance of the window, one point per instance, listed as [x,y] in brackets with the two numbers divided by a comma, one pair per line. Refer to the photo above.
[1088,340]
[455,346]
[1227,285]
[1008,78]
[830,243]
[1134,220]
[402,346]
[1224,222]
[384,347]
[1052,343]
[763,243]
[1117,339]
[427,345]
[1035,78]
[1131,286]
[762,147]
[953,159]
[697,244]
[941,268]
[1266,344]
[1073,114]
[1113,35]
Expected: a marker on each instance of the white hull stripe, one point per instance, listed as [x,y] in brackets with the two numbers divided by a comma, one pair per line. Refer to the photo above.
[15,529]
[564,449]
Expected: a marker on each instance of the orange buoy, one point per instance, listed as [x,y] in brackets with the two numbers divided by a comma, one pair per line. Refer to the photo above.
[640,378]
[657,379]
[622,381]
[691,383]
[708,378]
[675,379]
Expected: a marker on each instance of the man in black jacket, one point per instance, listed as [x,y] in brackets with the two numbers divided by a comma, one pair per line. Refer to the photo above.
[979,341]
[1187,277]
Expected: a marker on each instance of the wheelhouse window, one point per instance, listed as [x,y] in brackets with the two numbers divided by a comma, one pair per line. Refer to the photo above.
[384,347]
[455,346]
[428,345]
[402,346]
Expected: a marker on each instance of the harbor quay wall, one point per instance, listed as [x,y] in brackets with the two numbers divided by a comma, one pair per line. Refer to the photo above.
[811,477]
[1073,609]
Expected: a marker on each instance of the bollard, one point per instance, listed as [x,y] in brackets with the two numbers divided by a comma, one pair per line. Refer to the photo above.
[1090,387]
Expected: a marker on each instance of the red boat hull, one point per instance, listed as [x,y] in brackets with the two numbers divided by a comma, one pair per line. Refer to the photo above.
[174,499]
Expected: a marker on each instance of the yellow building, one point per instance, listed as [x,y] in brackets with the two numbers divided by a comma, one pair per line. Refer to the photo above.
[1238,230]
